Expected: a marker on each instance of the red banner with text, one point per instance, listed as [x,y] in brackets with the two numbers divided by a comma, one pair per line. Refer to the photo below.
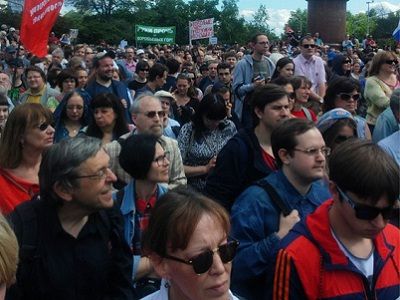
[38,18]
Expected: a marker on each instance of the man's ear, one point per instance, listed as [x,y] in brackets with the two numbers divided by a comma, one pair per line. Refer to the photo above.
[258,112]
[284,156]
[62,192]
[134,117]
[160,265]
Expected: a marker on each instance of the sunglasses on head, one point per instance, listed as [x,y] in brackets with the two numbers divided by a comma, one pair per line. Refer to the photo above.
[366,212]
[309,46]
[152,114]
[392,61]
[45,125]
[202,263]
[348,97]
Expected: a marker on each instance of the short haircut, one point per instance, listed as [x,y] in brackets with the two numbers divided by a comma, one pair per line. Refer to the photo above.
[8,253]
[35,69]
[224,65]
[22,117]
[172,65]
[306,38]
[142,64]
[3,100]
[365,169]
[175,217]
[58,52]
[231,53]
[298,81]
[264,95]
[254,38]
[137,104]
[64,75]
[157,70]
[339,85]
[137,154]
[60,164]
[284,136]
[395,102]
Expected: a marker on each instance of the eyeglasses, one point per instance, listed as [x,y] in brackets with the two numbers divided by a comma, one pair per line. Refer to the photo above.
[392,61]
[162,159]
[152,114]
[44,126]
[72,107]
[101,174]
[366,212]
[326,151]
[307,46]
[203,262]
[349,97]
[346,62]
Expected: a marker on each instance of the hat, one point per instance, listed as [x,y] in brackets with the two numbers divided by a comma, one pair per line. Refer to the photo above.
[139,52]
[11,49]
[164,94]
[4,27]
[11,29]
[16,63]
[331,117]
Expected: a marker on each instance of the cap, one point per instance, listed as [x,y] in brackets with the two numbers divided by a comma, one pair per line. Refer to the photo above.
[139,52]
[16,63]
[331,117]
[164,94]
[11,29]
[11,49]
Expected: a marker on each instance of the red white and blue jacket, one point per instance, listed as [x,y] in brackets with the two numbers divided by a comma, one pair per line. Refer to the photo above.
[312,266]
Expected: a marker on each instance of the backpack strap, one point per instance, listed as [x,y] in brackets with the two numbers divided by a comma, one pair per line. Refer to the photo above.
[274,196]
[307,113]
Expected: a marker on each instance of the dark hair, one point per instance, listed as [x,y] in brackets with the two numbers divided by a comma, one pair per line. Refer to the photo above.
[298,81]
[52,75]
[280,64]
[112,101]
[137,154]
[254,38]
[365,169]
[212,106]
[264,95]
[330,135]
[172,65]
[223,65]
[284,136]
[231,53]
[35,69]
[282,81]
[3,100]
[175,217]
[142,64]
[337,65]
[157,70]
[64,75]
[339,85]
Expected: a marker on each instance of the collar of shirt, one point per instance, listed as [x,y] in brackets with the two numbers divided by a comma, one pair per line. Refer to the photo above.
[40,93]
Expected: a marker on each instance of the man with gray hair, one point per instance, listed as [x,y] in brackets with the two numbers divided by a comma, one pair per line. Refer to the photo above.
[57,57]
[147,114]
[5,86]
[71,236]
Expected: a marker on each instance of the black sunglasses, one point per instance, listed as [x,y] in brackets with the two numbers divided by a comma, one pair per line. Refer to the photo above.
[45,125]
[203,262]
[309,46]
[346,62]
[152,114]
[365,212]
[392,61]
[348,97]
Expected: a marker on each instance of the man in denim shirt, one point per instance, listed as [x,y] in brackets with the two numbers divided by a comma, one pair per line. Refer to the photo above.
[257,222]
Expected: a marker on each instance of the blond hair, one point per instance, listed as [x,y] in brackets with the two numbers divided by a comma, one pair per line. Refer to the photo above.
[8,253]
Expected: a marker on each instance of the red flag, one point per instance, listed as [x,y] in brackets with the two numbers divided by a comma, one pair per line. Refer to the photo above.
[38,19]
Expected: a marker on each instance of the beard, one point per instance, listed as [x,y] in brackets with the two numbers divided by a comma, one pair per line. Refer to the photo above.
[3,90]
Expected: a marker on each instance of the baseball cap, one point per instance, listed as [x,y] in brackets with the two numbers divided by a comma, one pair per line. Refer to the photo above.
[164,94]
[331,117]
[139,52]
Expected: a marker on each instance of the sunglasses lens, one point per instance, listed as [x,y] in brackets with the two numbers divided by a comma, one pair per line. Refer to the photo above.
[345,97]
[356,97]
[366,213]
[151,114]
[203,262]
[43,126]
[228,251]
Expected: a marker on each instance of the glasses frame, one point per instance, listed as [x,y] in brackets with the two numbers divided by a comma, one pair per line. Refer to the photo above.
[308,46]
[160,160]
[101,174]
[152,114]
[43,126]
[325,151]
[192,262]
[349,96]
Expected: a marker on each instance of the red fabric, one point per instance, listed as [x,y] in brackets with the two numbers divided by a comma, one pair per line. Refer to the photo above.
[38,18]
[301,115]
[144,209]
[11,195]
[269,160]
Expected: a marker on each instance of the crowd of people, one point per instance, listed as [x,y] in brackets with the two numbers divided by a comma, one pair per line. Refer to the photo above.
[263,171]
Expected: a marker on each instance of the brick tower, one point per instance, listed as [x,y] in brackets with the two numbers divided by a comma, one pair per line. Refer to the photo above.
[328,17]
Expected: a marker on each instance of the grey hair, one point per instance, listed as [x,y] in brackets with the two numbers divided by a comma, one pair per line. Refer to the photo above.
[61,161]
[135,107]
[58,51]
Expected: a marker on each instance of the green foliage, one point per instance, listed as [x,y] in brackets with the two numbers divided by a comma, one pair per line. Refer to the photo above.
[298,21]
[358,24]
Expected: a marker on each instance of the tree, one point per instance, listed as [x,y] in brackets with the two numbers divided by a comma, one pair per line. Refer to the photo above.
[298,21]
[357,24]
[230,28]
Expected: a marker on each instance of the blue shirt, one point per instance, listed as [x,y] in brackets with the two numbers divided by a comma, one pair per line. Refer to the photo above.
[391,145]
[386,124]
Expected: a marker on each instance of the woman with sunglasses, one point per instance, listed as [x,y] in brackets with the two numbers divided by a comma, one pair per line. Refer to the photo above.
[71,116]
[108,122]
[188,245]
[341,66]
[383,79]
[344,92]
[26,135]
[201,140]
[140,78]
[143,158]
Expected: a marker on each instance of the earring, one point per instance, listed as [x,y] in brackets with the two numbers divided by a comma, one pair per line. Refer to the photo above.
[167,285]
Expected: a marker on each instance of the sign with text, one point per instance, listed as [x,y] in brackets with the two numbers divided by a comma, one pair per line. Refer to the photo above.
[201,29]
[155,35]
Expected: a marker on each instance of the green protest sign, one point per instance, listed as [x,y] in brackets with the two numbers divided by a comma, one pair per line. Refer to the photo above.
[154,35]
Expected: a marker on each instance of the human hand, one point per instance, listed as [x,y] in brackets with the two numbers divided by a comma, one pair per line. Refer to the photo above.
[287,223]
[211,164]
[124,103]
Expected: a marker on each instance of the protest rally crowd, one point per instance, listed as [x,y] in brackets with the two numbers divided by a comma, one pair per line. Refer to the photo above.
[258,171]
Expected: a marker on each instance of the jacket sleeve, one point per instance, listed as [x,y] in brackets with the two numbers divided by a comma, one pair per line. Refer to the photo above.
[254,223]
[240,85]
[227,180]
[375,94]
[286,284]
[177,175]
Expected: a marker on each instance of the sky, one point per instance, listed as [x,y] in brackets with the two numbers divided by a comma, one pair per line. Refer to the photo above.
[279,10]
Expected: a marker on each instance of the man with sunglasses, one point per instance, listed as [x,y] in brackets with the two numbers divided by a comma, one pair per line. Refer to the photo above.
[347,249]
[311,66]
